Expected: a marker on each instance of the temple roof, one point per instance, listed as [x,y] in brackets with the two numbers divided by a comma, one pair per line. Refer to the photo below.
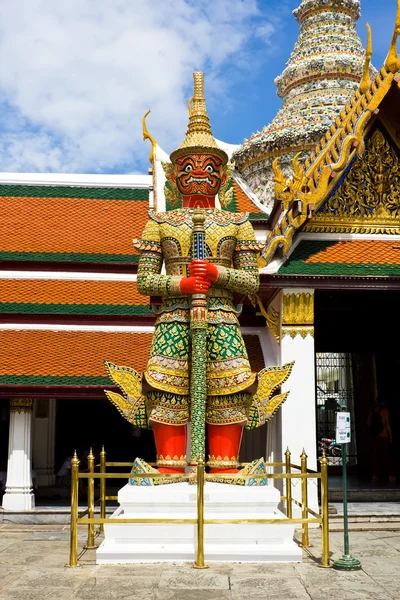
[350,258]
[322,73]
[71,297]
[70,222]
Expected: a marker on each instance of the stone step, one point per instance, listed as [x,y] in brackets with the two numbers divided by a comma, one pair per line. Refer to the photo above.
[365,495]
[364,522]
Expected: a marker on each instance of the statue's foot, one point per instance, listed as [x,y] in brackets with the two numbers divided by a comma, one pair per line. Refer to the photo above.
[141,467]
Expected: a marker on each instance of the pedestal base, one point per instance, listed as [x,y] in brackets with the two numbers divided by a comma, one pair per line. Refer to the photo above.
[158,542]
[18,501]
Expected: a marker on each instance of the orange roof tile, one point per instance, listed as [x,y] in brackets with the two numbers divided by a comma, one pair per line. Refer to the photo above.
[70,353]
[358,252]
[243,202]
[47,291]
[78,225]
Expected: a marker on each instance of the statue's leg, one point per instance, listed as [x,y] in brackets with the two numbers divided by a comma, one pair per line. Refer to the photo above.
[168,415]
[171,447]
[224,445]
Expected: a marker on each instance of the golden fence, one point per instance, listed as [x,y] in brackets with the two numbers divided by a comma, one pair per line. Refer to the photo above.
[290,472]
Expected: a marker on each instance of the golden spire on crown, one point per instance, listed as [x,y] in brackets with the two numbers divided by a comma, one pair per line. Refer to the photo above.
[199,138]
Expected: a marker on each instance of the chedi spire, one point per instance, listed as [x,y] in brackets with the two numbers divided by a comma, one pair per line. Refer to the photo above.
[322,73]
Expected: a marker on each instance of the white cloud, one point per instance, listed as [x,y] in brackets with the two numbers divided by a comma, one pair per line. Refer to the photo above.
[78,75]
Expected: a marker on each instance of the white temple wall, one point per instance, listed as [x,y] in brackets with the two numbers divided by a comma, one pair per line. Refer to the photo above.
[298,413]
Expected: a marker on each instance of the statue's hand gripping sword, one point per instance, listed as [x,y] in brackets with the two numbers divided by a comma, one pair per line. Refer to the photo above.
[198,328]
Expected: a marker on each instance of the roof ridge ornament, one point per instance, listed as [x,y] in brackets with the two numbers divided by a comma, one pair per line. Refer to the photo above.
[366,79]
[148,136]
[199,137]
[392,62]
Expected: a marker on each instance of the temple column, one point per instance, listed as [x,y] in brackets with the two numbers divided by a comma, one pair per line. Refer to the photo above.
[298,418]
[19,495]
[44,442]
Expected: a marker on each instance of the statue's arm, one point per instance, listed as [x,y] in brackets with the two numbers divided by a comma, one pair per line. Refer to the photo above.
[244,278]
[150,282]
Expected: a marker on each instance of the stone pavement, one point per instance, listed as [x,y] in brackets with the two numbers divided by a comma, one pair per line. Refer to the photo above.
[33,558]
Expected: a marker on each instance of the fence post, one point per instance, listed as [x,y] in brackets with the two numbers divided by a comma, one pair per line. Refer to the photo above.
[304,500]
[90,539]
[289,512]
[73,548]
[102,489]
[199,564]
[324,511]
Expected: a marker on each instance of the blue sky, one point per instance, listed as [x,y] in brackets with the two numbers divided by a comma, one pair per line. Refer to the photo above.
[77,76]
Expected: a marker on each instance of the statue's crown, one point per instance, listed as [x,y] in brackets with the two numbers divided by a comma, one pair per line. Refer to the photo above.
[199,138]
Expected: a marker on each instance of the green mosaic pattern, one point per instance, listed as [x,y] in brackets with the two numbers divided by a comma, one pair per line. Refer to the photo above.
[296,264]
[172,340]
[94,193]
[73,309]
[69,257]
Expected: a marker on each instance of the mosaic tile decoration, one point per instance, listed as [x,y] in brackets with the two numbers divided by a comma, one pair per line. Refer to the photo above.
[322,73]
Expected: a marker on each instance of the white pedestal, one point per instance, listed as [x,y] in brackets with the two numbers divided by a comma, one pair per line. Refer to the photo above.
[131,543]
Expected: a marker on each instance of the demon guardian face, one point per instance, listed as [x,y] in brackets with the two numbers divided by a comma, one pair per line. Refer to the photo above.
[199,174]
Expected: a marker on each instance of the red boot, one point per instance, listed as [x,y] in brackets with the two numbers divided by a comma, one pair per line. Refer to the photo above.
[224,445]
[171,447]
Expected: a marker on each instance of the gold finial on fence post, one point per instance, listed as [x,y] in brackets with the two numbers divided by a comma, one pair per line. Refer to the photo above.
[73,551]
[199,564]
[102,489]
[304,500]
[289,512]
[325,562]
[90,492]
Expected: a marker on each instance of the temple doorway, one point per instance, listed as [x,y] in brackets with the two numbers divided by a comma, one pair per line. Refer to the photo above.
[357,362]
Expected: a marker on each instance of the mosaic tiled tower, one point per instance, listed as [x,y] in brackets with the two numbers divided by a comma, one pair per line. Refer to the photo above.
[323,72]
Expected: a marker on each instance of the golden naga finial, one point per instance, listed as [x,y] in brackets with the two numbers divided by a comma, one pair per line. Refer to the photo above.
[392,62]
[366,80]
[147,136]
[199,137]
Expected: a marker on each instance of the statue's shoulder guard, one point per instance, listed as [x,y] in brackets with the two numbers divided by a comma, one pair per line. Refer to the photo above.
[225,217]
[172,217]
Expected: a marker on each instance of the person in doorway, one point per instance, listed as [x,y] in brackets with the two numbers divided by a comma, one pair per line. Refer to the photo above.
[63,477]
[381,431]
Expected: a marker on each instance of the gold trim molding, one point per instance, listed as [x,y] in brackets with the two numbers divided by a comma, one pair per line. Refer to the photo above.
[21,405]
[298,309]
[298,330]
[368,200]
[272,317]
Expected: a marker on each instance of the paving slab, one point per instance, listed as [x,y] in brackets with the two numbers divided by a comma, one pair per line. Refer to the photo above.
[33,559]
[272,587]
[192,579]
[118,588]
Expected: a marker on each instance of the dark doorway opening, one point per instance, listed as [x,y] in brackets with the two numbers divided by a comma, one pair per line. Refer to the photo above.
[81,424]
[363,328]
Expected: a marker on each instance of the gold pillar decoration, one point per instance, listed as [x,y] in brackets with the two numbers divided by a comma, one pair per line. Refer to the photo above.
[392,62]
[21,405]
[298,315]
[271,316]
[366,80]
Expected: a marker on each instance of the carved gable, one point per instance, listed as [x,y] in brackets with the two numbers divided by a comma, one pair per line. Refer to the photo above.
[367,198]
